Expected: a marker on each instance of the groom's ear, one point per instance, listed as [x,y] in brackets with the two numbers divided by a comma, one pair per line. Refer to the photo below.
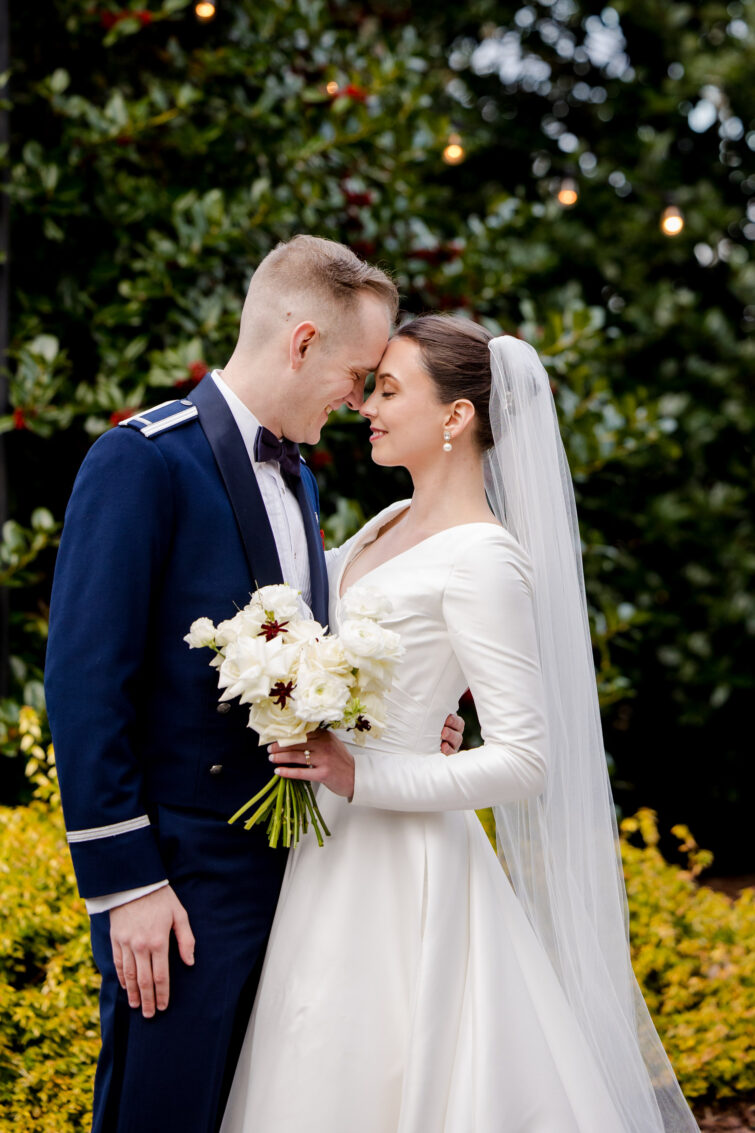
[302,337]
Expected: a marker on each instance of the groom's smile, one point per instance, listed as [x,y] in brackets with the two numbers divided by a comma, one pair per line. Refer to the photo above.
[337,370]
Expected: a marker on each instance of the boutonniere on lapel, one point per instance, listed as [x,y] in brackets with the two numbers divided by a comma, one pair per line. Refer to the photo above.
[322,537]
[298,678]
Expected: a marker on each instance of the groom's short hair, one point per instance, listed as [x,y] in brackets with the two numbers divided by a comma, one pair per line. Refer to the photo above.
[319,269]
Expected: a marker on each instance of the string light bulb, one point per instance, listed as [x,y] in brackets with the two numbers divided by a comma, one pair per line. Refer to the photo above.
[568,193]
[454,152]
[672,221]
[204,11]
[332,87]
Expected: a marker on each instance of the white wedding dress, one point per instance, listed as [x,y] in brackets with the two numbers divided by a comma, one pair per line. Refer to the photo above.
[404,990]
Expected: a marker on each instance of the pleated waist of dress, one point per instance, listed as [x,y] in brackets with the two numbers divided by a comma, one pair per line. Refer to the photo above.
[392,744]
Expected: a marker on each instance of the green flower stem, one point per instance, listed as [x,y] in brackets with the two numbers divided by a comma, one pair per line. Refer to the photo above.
[262,810]
[276,823]
[314,812]
[268,787]
[287,815]
[289,807]
[315,808]
[297,812]
[308,804]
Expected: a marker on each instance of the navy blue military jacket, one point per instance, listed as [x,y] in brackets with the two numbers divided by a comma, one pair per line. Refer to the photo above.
[165,524]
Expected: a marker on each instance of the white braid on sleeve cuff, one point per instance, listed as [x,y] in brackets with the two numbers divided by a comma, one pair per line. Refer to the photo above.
[111,831]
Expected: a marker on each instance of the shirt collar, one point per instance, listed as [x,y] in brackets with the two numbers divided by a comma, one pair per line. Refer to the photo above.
[242,415]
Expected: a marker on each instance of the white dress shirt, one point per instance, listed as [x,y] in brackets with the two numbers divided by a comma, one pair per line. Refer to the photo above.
[280,502]
[285,517]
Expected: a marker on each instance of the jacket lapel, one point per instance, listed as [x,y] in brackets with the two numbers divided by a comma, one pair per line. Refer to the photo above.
[240,482]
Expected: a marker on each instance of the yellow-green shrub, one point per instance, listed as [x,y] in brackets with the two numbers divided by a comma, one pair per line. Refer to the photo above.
[694,956]
[48,984]
[691,948]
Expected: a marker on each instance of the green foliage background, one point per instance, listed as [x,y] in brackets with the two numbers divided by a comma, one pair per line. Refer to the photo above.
[154,161]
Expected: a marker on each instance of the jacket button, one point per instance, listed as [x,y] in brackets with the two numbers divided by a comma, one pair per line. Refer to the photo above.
[216,768]
[224,708]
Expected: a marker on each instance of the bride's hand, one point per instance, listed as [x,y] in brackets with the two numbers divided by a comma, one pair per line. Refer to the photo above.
[322,759]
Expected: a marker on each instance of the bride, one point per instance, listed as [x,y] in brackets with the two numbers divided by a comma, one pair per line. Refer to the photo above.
[412,984]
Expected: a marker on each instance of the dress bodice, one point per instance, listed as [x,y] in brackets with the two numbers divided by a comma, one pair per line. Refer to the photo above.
[429,680]
[461,604]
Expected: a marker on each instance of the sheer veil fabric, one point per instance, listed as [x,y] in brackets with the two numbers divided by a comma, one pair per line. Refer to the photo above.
[561,850]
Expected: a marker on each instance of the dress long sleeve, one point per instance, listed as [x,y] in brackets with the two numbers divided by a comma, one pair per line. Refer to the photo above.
[488,612]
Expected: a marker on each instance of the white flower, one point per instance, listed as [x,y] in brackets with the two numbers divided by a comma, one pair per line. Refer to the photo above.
[282,601]
[301,630]
[328,653]
[371,648]
[365,602]
[246,669]
[273,722]
[201,634]
[227,631]
[320,695]
[249,622]
[283,659]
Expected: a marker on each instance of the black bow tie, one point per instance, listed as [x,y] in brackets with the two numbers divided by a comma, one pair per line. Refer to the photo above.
[268,447]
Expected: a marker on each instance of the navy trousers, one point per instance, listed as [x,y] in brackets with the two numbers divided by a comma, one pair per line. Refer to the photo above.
[173,1072]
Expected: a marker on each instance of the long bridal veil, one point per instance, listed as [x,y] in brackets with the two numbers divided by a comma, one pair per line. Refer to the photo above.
[562,849]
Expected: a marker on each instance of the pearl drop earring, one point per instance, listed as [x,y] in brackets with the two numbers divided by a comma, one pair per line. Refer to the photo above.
[447,446]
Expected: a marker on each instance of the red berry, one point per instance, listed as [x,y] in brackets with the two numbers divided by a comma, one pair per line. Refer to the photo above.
[197,371]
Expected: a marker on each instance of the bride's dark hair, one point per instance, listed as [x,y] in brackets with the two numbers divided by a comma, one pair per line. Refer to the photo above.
[455,354]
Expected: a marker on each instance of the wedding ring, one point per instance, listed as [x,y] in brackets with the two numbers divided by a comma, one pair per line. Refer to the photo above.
[307,758]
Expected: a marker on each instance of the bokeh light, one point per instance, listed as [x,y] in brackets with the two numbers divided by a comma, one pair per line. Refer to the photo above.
[672,221]
[568,193]
[454,152]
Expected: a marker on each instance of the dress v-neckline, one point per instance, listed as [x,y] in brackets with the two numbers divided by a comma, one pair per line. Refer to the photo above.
[386,516]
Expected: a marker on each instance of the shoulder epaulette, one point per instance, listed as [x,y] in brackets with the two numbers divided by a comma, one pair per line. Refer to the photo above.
[163,417]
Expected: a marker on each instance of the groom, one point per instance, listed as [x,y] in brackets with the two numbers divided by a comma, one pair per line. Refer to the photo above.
[179,514]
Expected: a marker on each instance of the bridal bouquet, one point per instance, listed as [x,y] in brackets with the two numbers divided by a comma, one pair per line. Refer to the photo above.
[297,678]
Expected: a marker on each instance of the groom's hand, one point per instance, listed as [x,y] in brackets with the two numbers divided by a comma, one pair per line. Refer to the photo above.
[452,736]
[140,937]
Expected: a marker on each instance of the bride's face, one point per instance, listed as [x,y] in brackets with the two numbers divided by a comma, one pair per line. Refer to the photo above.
[406,418]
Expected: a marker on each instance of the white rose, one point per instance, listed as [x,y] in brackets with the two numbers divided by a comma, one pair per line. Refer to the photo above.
[365,602]
[201,634]
[371,648]
[228,631]
[328,653]
[283,659]
[245,671]
[282,601]
[301,630]
[319,695]
[271,721]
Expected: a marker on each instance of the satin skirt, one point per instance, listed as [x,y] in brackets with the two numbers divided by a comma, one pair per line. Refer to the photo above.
[404,991]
